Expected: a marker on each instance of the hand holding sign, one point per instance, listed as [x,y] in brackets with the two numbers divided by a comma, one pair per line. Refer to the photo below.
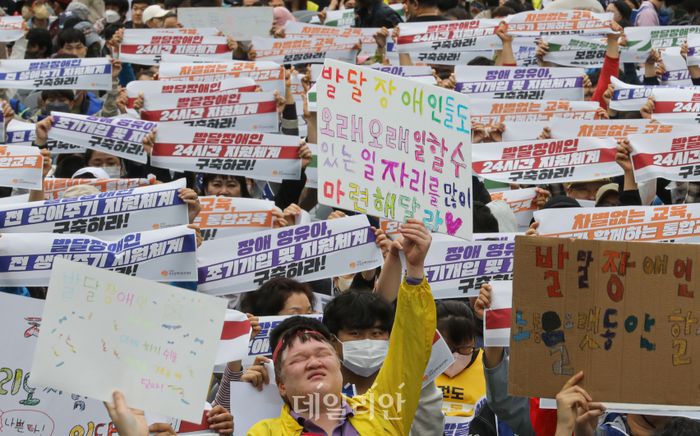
[415,245]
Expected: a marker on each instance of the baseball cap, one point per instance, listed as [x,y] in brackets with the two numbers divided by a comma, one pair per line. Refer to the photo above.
[90,35]
[96,172]
[153,11]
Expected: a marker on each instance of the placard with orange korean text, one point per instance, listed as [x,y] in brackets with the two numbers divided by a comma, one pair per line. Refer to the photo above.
[624,313]
[394,148]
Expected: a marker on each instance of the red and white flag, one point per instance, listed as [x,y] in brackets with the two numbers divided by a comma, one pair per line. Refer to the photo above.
[234,337]
[497,318]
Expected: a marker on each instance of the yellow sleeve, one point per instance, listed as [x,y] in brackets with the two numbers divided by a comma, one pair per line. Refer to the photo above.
[410,345]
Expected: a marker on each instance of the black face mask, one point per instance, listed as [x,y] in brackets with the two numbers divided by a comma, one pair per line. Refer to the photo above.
[56,107]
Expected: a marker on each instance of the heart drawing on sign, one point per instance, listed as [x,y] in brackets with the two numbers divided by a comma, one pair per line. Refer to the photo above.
[452,224]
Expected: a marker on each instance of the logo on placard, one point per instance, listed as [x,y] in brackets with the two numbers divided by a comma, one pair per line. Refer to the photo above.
[353,265]
[164,273]
[155,226]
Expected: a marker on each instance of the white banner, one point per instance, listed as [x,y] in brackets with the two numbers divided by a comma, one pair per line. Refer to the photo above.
[240,23]
[693,58]
[168,255]
[221,217]
[22,133]
[297,29]
[54,188]
[269,75]
[161,340]
[262,156]
[456,268]
[121,137]
[255,111]
[618,129]
[521,202]
[394,148]
[448,58]
[672,156]
[81,74]
[572,22]
[26,407]
[11,28]
[677,73]
[21,166]
[488,112]
[305,253]
[628,97]
[640,40]
[448,36]
[576,51]
[260,344]
[158,87]
[497,317]
[144,47]
[304,50]
[536,83]
[346,17]
[674,104]
[402,71]
[547,161]
[108,214]
[624,223]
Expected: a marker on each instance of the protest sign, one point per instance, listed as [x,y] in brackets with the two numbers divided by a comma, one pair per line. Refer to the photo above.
[693,58]
[447,58]
[404,71]
[346,17]
[263,156]
[537,83]
[108,214]
[54,188]
[521,202]
[673,104]
[26,407]
[574,22]
[251,406]
[422,170]
[221,217]
[305,252]
[576,51]
[617,129]
[87,74]
[672,156]
[121,137]
[21,133]
[628,97]
[145,47]
[484,111]
[311,170]
[457,425]
[497,317]
[296,29]
[448,36]
[166,255]
[640,40]
[161,340]
[623,223]
[256,111]
[11,28]
[595,306]
[676,69]
[260,344]
[239,23]
[525,52]
[21,166]
[456,268]
[159,87]
[547,161]
[304,50]
[440,359]
[235,337]
[269,75]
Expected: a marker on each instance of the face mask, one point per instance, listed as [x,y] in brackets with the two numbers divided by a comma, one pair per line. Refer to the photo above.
[364,357]
[460,364]
[113,172]
[56,107]
[343,284]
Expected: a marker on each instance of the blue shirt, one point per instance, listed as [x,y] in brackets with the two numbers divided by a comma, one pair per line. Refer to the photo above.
[344,428]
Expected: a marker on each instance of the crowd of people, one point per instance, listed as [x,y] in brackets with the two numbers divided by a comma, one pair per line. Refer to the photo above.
[377,329]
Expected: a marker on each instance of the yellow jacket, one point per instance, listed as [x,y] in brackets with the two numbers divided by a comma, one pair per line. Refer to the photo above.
[400,378]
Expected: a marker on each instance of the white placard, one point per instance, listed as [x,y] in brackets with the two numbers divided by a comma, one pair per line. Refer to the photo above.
[240,23]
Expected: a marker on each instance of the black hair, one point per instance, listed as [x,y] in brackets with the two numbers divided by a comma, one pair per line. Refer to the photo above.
[71,22]
[206,178]
[296,327]
[428,3]
[484,221]
[481,60]
[88,155]
[269,299]
[142,2]
[514,5]
[68,164]
[445,5]
[457,13]
[679,426]
[205,3]
[41,38]
[57,93]
[357,309]
[121,5]
[455,320]
[70,35]
[502,11]
[111,29]
[625,12]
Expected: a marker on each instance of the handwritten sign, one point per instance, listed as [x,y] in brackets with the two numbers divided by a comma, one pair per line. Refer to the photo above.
[547,161]
[673,156]
[221,217]
[269,75]
[109,214]
[161,340]
[264,156]
[145,47]
[88,74]
[304,252]
[26,259]
[588,305]
[21,166]
[240,23]
[485,111]
[394,148]
[624,223]
[537,83]
[121,137]
[448,36]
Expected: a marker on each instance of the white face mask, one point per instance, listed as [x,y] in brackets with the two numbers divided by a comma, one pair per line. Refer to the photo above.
[460,364]
[343,284]
[113,172]
[364,357]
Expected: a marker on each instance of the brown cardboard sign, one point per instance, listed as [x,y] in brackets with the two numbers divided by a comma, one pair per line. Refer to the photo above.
[626,313]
